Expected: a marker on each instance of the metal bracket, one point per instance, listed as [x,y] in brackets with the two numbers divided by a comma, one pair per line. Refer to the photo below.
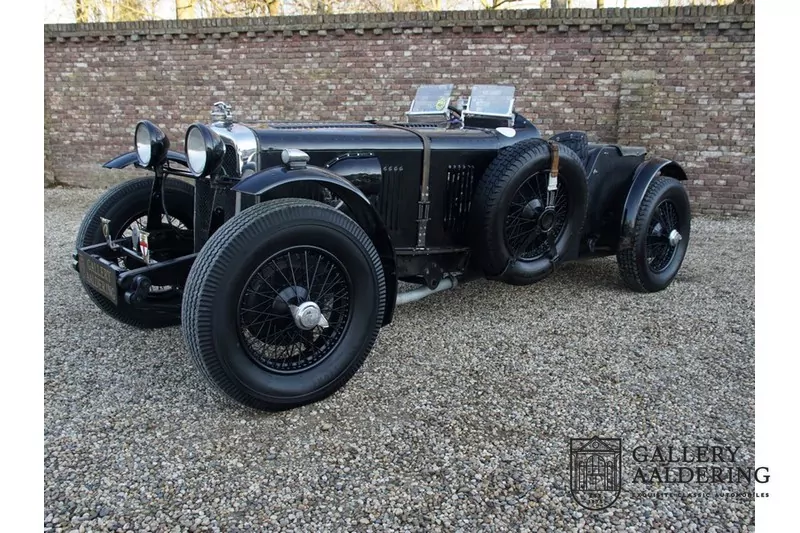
[156,207]
[423,216]
[433,275]
[104,225]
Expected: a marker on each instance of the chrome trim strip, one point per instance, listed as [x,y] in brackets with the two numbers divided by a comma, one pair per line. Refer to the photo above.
[243,139]
[238,202]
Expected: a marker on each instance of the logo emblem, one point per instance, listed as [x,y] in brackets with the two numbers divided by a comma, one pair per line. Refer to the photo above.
[595,471]
[144,247]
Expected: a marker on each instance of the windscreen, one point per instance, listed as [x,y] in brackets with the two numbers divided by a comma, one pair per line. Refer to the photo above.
[491,100]
[431,99]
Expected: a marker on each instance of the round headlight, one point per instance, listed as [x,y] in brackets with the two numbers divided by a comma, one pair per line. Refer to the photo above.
[204,150]
[143,149]
[151,144]
[196,150]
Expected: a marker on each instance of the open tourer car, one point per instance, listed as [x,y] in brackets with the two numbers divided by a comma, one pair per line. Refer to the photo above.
[279,246]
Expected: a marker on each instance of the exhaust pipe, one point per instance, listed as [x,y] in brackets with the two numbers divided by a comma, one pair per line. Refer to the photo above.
[420,293]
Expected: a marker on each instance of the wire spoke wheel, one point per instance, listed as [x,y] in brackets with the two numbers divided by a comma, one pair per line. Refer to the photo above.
[526,237]
[656,236]
[127,229]
[518,237]
[294,309]
[661,245]
[272,314]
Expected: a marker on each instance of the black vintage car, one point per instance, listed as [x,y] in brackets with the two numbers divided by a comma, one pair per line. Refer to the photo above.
[279,247]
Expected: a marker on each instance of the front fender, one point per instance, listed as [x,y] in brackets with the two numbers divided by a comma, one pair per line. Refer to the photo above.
[126,160]
[645,173]
[357,203]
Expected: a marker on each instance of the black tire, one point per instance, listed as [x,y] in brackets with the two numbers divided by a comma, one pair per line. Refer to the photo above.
[525,165]
[234,280]
[652,262]
[122,205]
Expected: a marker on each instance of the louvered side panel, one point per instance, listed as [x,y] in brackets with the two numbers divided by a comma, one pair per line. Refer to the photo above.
[458,198]
[392,198]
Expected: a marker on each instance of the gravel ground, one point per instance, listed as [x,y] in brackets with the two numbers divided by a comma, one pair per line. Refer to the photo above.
[459,420]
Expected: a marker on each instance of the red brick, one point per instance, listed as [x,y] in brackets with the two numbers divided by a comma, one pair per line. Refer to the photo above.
[685,91]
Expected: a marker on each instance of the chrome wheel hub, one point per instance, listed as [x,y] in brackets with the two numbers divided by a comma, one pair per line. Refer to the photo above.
[674,237]
[307,316]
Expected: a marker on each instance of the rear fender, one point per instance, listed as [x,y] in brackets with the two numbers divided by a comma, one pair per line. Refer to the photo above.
[644,175]
[126,160]
[276,178]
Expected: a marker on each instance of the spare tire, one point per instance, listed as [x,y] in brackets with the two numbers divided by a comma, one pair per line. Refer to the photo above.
[516,238]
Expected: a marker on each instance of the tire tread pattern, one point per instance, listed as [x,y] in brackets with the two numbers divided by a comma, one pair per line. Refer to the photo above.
[627,259]
[204,278]
[489,189]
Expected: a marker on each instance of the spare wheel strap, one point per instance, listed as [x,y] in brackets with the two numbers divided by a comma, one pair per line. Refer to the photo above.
[552,182]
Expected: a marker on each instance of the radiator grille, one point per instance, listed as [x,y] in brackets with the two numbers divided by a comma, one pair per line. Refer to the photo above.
[230,162]
[458,197]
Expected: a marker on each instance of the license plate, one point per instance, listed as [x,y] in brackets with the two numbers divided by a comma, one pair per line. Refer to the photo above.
[98,276]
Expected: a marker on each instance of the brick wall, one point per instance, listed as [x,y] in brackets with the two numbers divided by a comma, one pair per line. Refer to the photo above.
[678,80]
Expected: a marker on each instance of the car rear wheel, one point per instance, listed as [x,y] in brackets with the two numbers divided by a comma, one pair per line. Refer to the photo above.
[284,303]
[660,237]
[124,205]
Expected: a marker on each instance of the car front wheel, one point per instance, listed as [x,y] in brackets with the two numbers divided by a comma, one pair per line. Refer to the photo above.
[283,303]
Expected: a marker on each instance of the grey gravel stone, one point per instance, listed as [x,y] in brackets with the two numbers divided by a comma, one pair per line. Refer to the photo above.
[459,420]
